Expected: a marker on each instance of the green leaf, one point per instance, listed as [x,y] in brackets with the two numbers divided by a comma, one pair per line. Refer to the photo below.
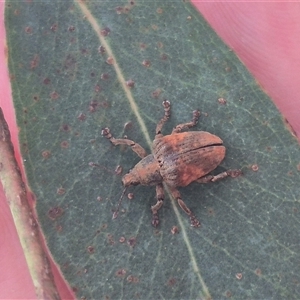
[65,91]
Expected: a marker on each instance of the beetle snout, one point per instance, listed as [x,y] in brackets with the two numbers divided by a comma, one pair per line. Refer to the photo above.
[130,179]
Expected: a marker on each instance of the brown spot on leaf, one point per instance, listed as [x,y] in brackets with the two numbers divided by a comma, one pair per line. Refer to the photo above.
[132,279]
[35,62]
[164,56]
[104,104]
[59,228]
[70,63]
[119,10]
[84,51]
[222,101]
[55,212]
[130,196]
[54,27]
[174,230]
[65,127]
[93,106]
[110,239]
[46,81]
[143,46]
[258,272]
[61,191]
[146,63]
[54,95]
[104,76]
[132,242]
[254,167]
[46,154]
[120,272]
[130,83]
[90,249]
[81,117]
[110,60]
[160,45]
[171,282]
[128,125]
[28,29]
[211,211]
[105,31]
[122,239]
[239,276]
[156,93]
[64,144]
[159,10]
[101,50]
[228,294]
[97,88]
[71,28]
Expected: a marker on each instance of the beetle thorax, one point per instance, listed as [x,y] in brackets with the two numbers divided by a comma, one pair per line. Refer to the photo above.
[145,172]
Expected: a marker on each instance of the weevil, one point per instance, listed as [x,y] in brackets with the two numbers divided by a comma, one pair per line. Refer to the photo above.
[176,160]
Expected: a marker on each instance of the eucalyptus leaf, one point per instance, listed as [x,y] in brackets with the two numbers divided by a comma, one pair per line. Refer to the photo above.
[80,66]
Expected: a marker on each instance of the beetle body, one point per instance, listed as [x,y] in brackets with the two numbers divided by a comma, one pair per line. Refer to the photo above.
[187,156]
[176,160]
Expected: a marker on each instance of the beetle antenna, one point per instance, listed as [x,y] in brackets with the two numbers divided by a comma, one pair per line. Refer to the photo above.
[115,214]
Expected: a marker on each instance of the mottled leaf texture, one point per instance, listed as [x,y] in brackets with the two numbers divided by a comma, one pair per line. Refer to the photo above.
[79,66]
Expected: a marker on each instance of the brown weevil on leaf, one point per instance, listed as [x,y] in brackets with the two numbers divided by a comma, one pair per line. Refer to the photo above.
[177,160]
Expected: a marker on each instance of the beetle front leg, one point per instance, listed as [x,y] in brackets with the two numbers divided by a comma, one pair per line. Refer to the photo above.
[177,196]
[211,178]
[167,107]
[184,126]
[138,149]
[155,208]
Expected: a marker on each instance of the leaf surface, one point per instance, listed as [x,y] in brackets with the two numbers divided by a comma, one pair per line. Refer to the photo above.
[77,67]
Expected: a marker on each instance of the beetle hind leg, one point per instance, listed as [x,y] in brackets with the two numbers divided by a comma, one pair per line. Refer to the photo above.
[211,178]
[193,219]
[155,208]
[184,126]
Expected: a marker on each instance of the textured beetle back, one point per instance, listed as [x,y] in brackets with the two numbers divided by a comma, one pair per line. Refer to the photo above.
[185,157]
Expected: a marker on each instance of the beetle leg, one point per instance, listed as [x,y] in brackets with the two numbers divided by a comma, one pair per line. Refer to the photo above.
[184,126]
[177,196]
[211,178]
[138,149]
[167,107]
[155,208]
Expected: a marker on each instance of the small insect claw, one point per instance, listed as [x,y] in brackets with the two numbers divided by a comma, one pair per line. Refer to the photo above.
[155,220]
[194,221]
[234,173]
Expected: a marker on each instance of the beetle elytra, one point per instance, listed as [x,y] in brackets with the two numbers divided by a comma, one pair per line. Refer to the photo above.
[176,160]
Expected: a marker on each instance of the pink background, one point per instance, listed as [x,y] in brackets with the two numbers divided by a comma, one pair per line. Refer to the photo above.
[266,37]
